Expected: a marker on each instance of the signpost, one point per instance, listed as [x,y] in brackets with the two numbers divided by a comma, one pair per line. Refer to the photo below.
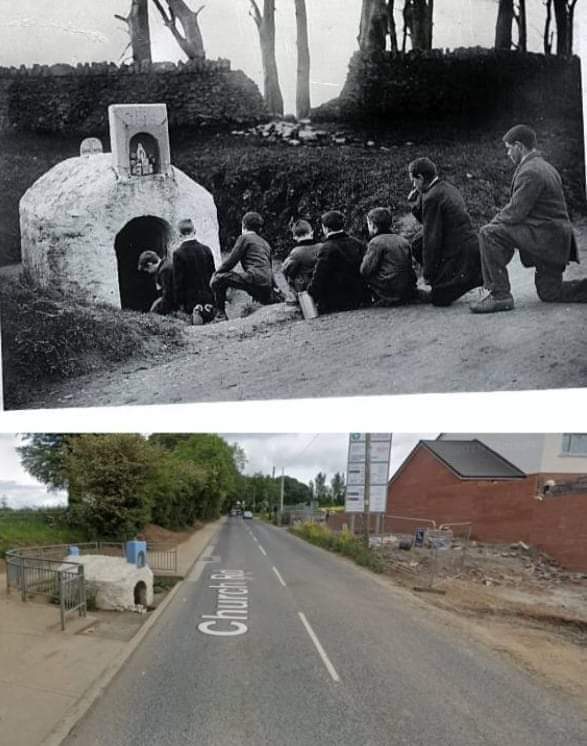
[367,475]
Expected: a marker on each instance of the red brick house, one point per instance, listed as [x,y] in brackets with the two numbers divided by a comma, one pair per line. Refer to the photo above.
[462,479]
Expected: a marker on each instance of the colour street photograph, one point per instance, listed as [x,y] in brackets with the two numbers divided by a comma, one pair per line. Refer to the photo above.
[292,589]
[246,200]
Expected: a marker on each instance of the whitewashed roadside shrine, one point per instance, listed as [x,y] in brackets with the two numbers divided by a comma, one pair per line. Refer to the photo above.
[85,222]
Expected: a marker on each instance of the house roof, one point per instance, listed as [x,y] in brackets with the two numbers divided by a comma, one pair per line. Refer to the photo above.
[472,459]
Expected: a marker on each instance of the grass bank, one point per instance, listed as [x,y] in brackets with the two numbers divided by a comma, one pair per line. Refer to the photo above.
[49,337]
[23,528]
[284,182]
[342,543]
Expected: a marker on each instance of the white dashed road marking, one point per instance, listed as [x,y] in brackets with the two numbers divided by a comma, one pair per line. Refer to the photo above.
[325,659]
[281,580]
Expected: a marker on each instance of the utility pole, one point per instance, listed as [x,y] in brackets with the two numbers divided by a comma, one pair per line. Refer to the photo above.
[366,502]
[281,495]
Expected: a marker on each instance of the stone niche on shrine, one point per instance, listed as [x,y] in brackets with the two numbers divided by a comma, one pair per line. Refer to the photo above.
[85,222]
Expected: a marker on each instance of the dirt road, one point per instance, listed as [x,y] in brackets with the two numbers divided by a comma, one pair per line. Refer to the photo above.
[274,354]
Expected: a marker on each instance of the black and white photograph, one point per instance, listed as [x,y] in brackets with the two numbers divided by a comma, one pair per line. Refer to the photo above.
[246,200]
[256,589]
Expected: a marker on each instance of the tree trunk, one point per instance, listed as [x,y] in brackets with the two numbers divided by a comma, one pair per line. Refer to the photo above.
[418,15]
[562,28]
[303,73]
[391,27]
[191,41]
[547,32]
[137,23]
[520,17]
[373,28]
[503,27]
[571,24]
[266,27]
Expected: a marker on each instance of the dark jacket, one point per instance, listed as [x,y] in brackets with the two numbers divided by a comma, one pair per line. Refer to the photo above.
[193,267]
[449,248]
[337,284]
[387,268]
[536,215]
[254,254]
[298,267]
[164,280]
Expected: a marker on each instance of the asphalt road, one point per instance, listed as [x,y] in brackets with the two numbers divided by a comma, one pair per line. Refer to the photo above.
[323,653]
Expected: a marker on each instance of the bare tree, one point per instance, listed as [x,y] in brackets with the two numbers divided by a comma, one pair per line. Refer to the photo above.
[266,27]
[418,23]
[189,37]
[548,34]
[137,23]
[503,26]
[303,73]
[564,13]
[520,19]
[373,26]
[377,22]
[391,26]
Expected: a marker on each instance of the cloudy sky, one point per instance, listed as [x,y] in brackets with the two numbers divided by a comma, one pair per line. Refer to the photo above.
[72,31]
[20,489]
[301,455]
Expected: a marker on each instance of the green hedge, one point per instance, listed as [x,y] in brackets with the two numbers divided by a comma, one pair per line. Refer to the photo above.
[343,543]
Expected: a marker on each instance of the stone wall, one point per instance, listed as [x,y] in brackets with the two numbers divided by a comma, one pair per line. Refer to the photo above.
[74,100]
[465,87]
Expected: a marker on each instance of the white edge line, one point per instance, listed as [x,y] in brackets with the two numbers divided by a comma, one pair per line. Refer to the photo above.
[281,580]
[262,550]
[326,660]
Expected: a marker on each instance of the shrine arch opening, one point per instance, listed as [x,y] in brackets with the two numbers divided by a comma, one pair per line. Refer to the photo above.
[138,290]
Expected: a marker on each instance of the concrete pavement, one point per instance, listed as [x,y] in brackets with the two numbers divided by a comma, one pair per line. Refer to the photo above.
[49,678]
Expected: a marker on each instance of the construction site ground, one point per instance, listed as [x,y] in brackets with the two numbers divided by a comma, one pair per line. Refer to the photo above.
[514,598]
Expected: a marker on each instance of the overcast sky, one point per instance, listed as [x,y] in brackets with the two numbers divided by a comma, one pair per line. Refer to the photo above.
[72,31]
[301,455]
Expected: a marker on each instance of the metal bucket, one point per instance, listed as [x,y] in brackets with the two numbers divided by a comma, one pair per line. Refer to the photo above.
[309,310]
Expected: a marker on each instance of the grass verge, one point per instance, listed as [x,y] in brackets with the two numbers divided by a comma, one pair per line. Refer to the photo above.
[342,543]
[31,528]
[47,336]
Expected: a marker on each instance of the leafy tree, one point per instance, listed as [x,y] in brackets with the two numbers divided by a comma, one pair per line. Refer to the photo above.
[261,489]
[217,458]
[337,487]
[295,492]
[113,473]
[43,455]
[178,492]
[321,491]
[4,503]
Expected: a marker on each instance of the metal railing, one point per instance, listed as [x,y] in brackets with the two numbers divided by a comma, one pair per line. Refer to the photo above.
[162,558]
[45,571]
[61,582]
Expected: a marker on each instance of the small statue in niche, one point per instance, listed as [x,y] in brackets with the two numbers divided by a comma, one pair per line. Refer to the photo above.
[143,157]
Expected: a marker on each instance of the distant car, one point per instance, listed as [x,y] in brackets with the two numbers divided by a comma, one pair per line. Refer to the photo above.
[247,514]
[233,512]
